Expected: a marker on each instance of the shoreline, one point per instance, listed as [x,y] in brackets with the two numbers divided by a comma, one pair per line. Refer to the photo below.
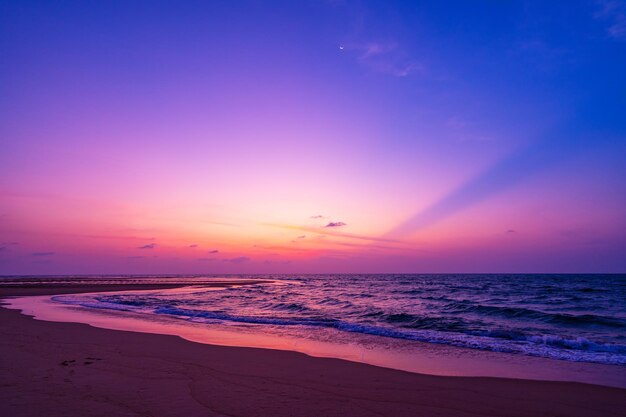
[412,356]
[51,360]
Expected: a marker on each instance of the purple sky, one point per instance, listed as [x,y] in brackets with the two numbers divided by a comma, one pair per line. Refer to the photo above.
[313,136]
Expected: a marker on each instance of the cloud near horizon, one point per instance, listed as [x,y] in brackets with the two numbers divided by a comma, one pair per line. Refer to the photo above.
[148,246]
[237,260]
[336,224]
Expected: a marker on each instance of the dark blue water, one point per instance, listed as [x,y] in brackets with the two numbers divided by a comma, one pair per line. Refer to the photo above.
[569,317]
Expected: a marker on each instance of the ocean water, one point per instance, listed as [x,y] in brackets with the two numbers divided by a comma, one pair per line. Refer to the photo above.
[569,317]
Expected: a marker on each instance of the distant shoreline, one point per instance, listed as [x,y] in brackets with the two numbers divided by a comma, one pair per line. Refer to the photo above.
[68,287]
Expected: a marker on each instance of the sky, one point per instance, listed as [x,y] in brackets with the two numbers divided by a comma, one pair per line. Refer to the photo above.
[312,136]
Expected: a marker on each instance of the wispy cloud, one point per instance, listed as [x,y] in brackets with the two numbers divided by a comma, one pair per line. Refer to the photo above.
[148,246]
[115,237]
[335,224]
[214,251]
[43,253]
[618,29]
[614,13]
[193,246]
[331,231]
[272,262]
[384,57]
[282,248]
[318,216]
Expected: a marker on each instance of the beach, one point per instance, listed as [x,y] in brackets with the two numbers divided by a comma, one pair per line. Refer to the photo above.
[72,369]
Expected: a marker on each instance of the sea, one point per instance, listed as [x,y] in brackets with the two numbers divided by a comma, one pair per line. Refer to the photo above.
[580,318]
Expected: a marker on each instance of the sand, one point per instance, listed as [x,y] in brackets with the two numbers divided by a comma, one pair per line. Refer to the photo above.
[70,369]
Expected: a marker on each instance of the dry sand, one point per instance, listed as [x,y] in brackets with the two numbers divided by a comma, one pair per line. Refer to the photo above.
[70,369]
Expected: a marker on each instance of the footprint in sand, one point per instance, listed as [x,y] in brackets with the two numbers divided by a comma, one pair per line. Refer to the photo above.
[87,361]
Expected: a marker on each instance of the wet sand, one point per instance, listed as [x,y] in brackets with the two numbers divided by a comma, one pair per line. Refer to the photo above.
[71,369]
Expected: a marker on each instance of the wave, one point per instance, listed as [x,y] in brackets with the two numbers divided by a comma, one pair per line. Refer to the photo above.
[412,321]
[538,345]
[490,314]
[196,314]
[525,313]
[578,343]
